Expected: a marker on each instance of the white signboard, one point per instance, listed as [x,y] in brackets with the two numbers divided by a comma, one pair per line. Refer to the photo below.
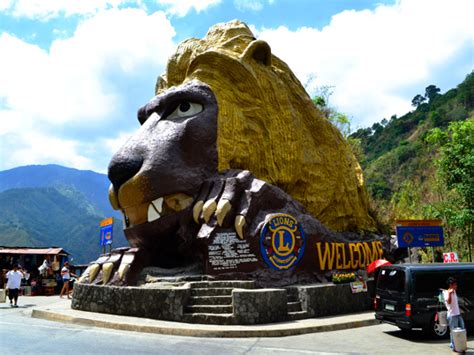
[358,287]
[227,252]
[450,257]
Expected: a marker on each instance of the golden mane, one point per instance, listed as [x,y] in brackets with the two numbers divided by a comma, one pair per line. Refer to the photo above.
[267,124]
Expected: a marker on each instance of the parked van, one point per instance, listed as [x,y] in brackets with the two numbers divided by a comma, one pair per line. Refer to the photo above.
[407,295]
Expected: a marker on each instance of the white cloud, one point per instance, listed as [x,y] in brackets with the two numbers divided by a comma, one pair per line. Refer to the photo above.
[68,82]
[36,148]
[252,5]
[182,7]
[113,144]
[5,4]
[84,82]
[372,56]
[47,9]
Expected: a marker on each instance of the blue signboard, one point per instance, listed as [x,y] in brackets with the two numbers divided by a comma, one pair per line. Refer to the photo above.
[106,231]
[420,236]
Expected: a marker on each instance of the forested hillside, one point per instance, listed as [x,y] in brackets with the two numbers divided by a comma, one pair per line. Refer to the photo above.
[421,165]
[45,217]
[52,205]
[93,186]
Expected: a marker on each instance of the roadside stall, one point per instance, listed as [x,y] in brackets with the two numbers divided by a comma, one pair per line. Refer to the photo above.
[42,265]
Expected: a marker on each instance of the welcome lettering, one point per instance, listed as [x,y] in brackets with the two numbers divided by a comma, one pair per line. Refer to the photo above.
[347,256]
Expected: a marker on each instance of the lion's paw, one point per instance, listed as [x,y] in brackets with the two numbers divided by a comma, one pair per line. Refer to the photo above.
[221,202]
[120,267]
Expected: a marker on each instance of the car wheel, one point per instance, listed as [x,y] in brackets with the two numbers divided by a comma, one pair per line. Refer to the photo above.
[437,331]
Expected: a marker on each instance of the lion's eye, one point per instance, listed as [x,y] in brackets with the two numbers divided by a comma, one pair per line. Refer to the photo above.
[185,109]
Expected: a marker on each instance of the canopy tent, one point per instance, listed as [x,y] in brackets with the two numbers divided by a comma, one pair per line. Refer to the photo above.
[377,264]
[33,251]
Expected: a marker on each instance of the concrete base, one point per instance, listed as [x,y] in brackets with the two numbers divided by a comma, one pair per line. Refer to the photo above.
[329,299]
[63,313]
[221,302]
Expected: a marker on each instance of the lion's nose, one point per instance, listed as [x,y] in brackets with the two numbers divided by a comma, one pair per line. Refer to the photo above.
[122,169]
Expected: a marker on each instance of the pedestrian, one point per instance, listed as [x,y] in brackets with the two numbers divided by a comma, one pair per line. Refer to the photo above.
[452,305]
[14,277]
[66,275]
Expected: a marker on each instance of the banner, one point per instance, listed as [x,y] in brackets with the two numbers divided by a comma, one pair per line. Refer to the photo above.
[106,231]
[419,233]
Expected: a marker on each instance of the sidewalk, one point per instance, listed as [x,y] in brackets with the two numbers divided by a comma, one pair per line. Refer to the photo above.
[55,309]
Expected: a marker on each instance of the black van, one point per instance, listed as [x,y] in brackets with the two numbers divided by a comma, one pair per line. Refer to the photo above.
[407,294]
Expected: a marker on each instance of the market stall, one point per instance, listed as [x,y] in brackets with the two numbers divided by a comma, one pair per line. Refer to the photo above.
[42,265]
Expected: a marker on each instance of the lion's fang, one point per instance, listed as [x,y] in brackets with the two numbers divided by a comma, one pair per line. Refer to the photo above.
[158,203]
[153,215]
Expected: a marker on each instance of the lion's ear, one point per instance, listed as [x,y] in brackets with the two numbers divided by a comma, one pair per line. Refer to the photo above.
[259,51]
[161,84]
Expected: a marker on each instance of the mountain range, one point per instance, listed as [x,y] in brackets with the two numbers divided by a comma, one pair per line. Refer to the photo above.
[52,205]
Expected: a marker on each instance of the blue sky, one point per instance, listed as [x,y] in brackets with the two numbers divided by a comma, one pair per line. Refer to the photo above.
[74,72]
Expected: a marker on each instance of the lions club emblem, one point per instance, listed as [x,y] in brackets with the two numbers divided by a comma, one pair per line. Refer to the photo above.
[282,242]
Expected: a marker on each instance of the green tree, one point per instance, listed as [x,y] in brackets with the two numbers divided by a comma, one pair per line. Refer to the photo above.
[431,92]
[377,128]
[466,91]
[418,100]
[435,118]
[357,149]
[338,119]
[456,171]
[321,101]
[342,122]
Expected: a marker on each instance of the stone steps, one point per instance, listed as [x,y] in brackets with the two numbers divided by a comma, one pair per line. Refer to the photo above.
[210,318]
[294,306]
[214,309]
[297,315]
[210,300]
[292,294]
[295,310]
[214,291]
[224,284]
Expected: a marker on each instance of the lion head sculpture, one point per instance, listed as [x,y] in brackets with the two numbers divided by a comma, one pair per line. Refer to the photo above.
[225,107]
[267,124]
[232,152]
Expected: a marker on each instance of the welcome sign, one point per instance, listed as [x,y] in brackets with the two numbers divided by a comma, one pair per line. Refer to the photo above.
[347,256]
[285,247]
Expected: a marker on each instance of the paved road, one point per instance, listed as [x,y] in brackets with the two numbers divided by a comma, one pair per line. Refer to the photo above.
[19,333]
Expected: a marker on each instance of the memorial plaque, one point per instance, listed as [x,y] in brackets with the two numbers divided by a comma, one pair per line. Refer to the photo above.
[227,253]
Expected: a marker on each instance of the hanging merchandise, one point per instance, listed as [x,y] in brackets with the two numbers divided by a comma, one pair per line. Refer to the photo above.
[55,264]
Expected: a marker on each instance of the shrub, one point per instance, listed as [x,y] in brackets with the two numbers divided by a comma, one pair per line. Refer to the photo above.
[339,278]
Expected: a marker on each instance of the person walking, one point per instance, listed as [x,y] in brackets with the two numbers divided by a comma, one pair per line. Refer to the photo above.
[66,275]
[14,277]
[452,305]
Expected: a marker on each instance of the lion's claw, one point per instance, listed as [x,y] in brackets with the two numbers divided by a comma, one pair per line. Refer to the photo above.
[223,207]
[114,268]
[222,201]
[107,269]
[197,209]
[208,210]
[239,225]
